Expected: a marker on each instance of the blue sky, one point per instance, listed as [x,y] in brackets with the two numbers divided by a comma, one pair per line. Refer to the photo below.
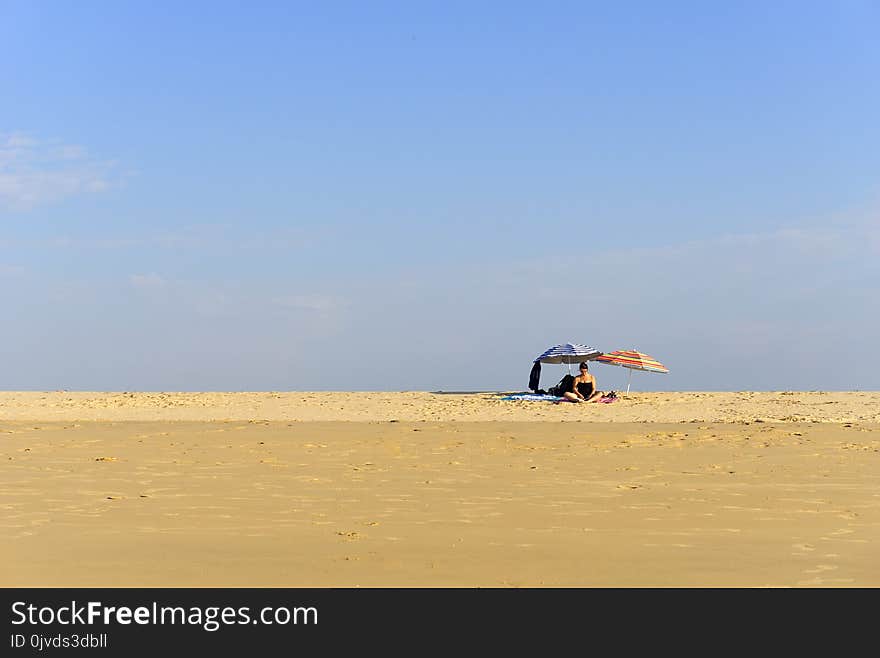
[384,196]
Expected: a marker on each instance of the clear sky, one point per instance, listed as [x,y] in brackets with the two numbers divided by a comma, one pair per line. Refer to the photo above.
[412,195]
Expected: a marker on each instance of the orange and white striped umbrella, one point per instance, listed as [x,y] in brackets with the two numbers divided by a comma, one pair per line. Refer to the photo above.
[632,360]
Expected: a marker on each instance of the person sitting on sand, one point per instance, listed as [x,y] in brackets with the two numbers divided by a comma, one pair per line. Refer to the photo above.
[583,388]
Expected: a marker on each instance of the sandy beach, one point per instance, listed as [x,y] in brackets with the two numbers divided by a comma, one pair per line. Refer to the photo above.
[439,489]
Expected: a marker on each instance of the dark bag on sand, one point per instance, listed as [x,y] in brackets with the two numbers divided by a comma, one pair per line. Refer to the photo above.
[535,377]
[565,385]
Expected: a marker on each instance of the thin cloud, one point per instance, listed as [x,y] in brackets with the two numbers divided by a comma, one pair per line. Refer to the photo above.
[738,251]
[10,271]
[203,236]
[318,303]
[151,281]
[35,172]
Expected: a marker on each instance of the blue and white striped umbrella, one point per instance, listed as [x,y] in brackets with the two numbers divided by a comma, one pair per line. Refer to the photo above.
[566,353]
[569,353]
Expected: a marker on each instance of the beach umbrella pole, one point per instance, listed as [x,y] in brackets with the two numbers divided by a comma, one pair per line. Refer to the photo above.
[629,379]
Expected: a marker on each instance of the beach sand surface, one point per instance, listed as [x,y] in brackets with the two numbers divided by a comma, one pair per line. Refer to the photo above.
[744,406]
[421,489]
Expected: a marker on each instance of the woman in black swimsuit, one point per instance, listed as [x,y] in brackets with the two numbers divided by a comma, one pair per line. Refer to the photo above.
[583,388]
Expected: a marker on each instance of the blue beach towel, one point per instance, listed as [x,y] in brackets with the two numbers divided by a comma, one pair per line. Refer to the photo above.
[532,397]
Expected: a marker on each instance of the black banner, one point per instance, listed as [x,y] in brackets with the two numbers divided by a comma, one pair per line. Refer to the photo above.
[126,621]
